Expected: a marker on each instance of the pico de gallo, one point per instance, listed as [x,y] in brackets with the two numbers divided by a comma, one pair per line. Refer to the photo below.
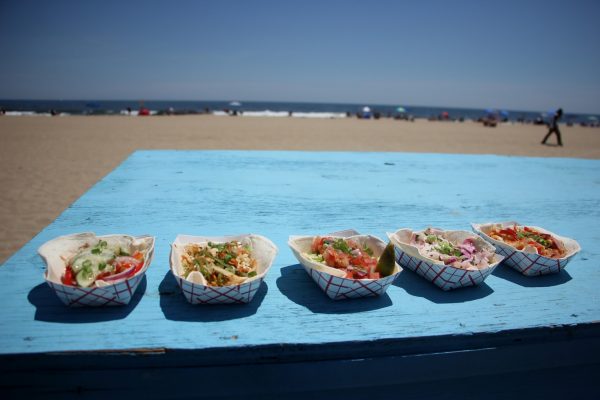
[347,255]
[522,237]
[103,261]
[221,264]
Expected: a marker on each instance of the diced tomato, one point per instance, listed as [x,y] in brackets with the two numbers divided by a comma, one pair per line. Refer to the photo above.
[69,277]
[335,258]
[317,245]
[509,233]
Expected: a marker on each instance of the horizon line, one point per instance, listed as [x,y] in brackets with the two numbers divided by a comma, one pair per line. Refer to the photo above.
[298,102]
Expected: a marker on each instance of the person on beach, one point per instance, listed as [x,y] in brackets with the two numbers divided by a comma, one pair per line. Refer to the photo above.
[553,127]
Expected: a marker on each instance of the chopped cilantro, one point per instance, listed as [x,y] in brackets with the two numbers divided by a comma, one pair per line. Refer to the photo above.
[341,245]
[431,239]
[535,237]
[448,249]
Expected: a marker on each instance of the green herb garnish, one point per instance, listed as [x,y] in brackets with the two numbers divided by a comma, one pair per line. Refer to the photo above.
[535,237]
[448,249]
[431,239]
[341,245]
[231,269]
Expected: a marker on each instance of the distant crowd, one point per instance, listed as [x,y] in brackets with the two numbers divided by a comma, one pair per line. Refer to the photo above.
[490,119]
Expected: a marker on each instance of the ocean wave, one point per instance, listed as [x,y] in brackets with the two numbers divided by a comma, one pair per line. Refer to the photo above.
[281,114]
[266,113]
[318,115]
[26,114]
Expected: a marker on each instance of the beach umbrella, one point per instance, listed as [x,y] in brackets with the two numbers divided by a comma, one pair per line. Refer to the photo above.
[401,109]
[504,113]
[366,109]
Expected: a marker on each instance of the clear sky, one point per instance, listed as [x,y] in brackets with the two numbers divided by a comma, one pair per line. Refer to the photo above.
[527,55]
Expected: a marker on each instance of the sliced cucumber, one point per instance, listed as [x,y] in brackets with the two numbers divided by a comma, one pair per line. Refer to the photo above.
[86,277]
[88,259]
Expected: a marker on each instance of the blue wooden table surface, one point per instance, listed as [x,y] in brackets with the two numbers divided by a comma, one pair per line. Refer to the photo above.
[277,194]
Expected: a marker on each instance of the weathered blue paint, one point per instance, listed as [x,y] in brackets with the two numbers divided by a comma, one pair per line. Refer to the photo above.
[165,193]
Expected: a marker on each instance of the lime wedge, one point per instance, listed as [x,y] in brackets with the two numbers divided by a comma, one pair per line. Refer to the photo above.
[387,261]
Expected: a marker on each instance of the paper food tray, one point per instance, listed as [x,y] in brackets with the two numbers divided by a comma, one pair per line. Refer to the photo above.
[56,251]
[527,263]
[331,280]
[446,277]
[263,250]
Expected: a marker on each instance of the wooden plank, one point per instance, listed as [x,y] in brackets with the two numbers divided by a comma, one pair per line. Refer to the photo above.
[552,371]
[281,193]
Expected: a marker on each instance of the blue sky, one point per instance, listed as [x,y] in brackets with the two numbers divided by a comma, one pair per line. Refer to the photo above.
[527,55]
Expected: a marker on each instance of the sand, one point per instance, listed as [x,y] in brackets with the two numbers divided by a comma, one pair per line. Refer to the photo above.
[49,162]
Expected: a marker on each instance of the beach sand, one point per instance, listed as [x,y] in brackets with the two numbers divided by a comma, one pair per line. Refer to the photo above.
[49,162]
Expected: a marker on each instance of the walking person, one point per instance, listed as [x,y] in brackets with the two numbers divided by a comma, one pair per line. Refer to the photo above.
[553,127]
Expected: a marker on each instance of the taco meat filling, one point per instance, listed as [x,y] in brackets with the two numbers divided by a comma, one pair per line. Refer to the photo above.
[221,264]
[526,238]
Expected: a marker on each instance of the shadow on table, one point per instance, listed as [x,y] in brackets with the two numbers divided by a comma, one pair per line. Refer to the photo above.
[49,308]
[176,308]
[297,286]
[415,285]
[512,275]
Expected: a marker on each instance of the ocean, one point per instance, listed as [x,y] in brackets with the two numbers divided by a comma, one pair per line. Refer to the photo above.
[277,109]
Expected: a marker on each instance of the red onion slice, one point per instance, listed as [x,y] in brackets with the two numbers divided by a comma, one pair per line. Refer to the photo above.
[121,275]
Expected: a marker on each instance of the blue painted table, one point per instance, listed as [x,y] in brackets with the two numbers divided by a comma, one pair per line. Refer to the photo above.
[511,334]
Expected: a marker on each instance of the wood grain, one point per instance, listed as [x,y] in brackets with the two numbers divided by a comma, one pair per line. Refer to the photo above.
[281,193]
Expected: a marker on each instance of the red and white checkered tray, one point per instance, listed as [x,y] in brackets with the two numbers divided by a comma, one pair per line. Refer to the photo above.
[55,253]
[198,292]
[332,280]
[528,263]
[446,277]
